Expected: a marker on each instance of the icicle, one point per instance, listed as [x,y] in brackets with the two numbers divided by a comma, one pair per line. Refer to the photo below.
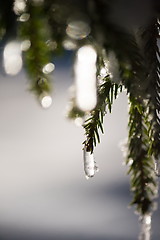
[145,233]
[12,58]
[90,166]
[85,78]
[157,168]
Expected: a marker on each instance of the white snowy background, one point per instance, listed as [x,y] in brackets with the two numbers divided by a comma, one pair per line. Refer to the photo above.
[43,191]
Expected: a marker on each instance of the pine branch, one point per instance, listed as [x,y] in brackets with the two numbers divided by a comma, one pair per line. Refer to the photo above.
[74,112]
[143,184]
[60,14]
[36,30]
[106,92]
[134,74]
[57,14]
[152,54]
[123,43]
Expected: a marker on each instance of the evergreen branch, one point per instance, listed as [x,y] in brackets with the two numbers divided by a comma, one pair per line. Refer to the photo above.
[151,53]
[143,184]
[133,70]
[57,14]
[123,43]
[38,55]
[73,111]
[95,121]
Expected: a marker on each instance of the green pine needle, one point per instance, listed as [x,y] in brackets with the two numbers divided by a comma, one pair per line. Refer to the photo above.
[143,183]
[106,91]
[36,30]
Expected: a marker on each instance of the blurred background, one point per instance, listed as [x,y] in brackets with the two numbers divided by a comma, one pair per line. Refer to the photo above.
[43,190]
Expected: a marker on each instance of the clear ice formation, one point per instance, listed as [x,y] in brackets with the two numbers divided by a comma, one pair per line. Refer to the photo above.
[90,166]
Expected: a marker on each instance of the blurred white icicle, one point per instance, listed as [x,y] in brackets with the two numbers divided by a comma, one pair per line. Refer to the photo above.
[145,233]
[12,58]
[85,78]
[90,166]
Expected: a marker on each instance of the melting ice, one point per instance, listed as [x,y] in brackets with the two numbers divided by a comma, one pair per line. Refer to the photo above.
[90,166]
[145,233]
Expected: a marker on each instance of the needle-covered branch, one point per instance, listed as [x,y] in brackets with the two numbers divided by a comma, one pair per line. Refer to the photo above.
[141,164]
[35,29]
[107,91]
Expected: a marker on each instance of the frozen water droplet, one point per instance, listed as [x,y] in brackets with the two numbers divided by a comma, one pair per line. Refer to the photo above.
[130,162]
[145,233]
[90,166]
[51,44]
[78,29]
[103,72]
[25,45]
[24,17]
[79,121]
[48,68]
[45,100]
[157,168]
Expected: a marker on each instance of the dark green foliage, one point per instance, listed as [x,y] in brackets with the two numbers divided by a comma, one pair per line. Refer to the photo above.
[151,53]
[57,14]
[38,55]
[7,20]
[75,112]
[106,92]
[139,71]
[143,184]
